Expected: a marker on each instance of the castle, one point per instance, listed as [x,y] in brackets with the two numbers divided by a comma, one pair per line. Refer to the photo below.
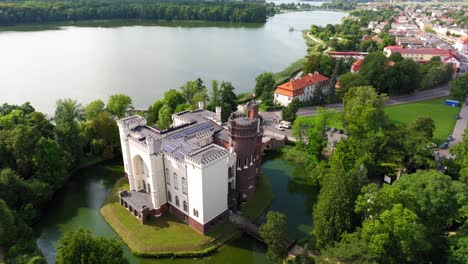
[197,169]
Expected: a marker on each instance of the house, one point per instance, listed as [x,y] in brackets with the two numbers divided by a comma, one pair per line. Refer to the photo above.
[462,44]
[302,89]
[197,169]
[411,42]
[356,66]
[377,39]
[423,54]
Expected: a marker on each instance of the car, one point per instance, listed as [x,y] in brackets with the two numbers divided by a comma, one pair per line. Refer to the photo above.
[279,127]
[450,138]
[340,131]
[333,129]
[457,116]
[444,145]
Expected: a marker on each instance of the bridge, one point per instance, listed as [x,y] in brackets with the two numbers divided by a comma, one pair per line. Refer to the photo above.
[249,227]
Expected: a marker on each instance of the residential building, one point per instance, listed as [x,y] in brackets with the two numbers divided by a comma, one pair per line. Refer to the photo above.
[462,44]
[424,55]
[196,169]
[410,42]
[302,88]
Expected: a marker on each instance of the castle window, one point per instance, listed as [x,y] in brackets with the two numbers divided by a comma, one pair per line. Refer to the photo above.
[195,212]
[185,206]
[168,177]
[184,185]
[176,182]
[149,188]
[177,201]
[169,196]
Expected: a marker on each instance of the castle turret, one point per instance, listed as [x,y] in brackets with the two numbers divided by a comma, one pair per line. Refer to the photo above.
[247,142]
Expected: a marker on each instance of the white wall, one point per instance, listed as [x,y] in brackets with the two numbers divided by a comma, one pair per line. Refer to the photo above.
[179,168]
[282,99]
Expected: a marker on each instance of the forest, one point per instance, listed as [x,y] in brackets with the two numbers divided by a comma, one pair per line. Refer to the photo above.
[32,12]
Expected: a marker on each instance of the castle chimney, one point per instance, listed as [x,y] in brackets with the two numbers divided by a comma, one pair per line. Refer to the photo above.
[218,114]
[201,105]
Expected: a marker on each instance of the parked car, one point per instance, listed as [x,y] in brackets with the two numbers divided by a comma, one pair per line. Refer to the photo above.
[279,127]
[285,124]
[444,145]
[457,116]
[340,131]
[450,138]
[333,129]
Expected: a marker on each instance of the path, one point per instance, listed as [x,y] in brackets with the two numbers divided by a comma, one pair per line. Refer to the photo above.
[314,38]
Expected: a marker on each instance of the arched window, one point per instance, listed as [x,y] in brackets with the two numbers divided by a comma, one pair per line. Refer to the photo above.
[177,201]
[176,182]
[169,196]
[184,185]
[168,177]
[185,206]
[149,188]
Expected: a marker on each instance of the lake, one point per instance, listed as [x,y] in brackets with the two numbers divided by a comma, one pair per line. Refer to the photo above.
[77,206]
[142,60]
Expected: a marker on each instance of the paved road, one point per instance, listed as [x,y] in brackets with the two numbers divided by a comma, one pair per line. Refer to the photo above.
[394,100]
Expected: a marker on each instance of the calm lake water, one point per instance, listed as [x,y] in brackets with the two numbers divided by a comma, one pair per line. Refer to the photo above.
[77,206]
[90,62]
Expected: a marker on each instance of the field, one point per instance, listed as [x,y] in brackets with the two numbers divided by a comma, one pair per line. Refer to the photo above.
[443,116]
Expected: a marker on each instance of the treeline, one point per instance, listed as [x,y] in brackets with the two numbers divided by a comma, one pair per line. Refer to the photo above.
[348,35]
[12,13]
[396,75]
[38,156]
[358,221]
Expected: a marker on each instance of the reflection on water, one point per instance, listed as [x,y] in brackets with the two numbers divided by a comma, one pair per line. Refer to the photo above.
[77,206]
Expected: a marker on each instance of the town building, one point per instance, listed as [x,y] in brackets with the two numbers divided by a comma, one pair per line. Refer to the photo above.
[302,88]
[462,44]
[197,169]
[424,55]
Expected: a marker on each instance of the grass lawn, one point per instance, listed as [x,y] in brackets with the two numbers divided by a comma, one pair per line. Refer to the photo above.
[284,75]
[443,116]
[261,200]
[165,234]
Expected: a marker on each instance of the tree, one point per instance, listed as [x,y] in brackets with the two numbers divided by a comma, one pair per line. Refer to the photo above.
[373,69]
[459,88]
[349,80]
[461,157]
[274,232]
[10,186]
[289,112]
[363,112]
[215,98]
[228,100]
[459,246]
[118,105]
[173,98]
[424,125]
[264,85]
[152,113]
[94,108]
[49,163]
[67,115]
[164,117]
[20,142]
[82,247]
[395,236]
[7,224]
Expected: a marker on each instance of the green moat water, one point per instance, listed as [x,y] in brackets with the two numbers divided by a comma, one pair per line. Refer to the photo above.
[77,206]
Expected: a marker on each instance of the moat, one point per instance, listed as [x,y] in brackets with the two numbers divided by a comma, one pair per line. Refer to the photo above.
[77,206]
